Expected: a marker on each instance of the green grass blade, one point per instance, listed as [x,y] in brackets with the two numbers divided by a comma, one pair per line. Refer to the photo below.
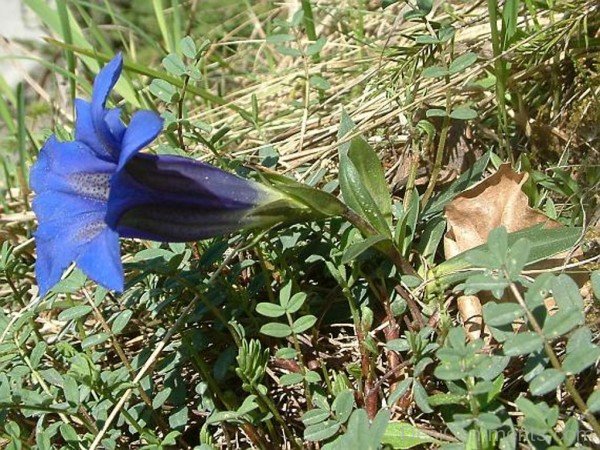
[177,24]
[51,19]
[147,71]
[22,143]
[159,11]
[63,15]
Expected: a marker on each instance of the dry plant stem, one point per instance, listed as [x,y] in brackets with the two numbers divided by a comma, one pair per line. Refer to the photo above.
[143,371]
[121,354]
[569,383]
[370,393]
[414,309]
[389,374]
[391,332]
[155,354]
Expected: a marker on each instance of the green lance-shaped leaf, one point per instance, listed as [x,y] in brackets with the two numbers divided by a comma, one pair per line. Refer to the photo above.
[362,179]
[545,242]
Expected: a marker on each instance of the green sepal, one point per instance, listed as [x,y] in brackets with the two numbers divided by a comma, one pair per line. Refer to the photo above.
[303,200]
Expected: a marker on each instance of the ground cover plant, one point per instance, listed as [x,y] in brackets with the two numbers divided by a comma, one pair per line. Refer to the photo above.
[424,273]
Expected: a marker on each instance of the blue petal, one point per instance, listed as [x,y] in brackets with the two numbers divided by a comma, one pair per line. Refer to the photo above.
[103,85]
[51,262]
[105,81]
[115,124]
[75,157]
[151,180]
[57,160]
[40,170]
[101,261]
[65,206]
[176,199]
[60,240]
[143,129]
[85,131]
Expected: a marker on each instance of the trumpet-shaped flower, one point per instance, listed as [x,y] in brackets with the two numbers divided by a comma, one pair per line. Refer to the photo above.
[93,190]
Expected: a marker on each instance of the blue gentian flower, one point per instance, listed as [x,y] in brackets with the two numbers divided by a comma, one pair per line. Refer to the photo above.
[97,188]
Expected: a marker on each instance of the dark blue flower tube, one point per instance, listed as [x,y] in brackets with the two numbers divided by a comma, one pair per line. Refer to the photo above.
[97,188]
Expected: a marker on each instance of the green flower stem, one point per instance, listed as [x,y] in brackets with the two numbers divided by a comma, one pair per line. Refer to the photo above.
[569,382]
[402,266]
[369,394]
[500,72]
[439,155]
[309,25]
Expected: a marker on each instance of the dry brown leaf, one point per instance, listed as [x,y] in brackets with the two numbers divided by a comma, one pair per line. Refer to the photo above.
[496,201]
